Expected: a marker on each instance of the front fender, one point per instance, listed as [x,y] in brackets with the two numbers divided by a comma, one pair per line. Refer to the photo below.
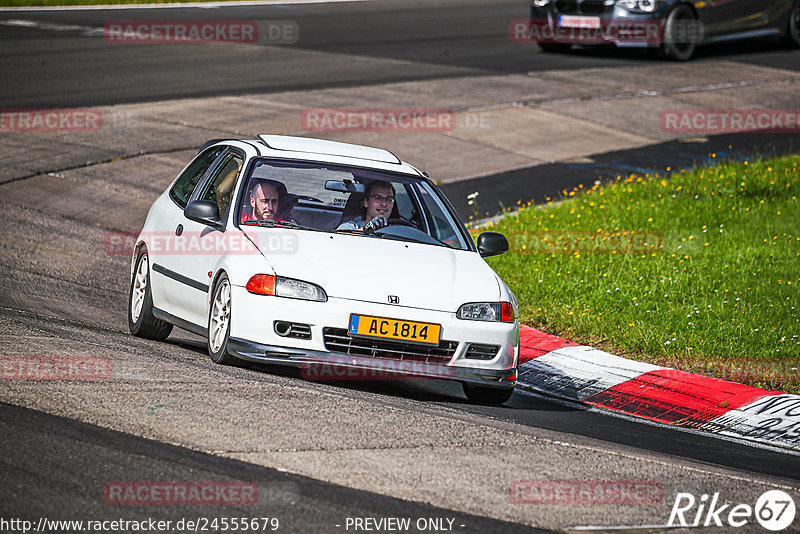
[241,265]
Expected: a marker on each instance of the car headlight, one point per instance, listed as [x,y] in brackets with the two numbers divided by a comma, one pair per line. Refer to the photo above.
[540,3]
[487,311]
[267,284]
[639,6]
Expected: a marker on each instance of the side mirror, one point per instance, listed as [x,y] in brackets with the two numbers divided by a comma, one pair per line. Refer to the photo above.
[204,212]
[492,244]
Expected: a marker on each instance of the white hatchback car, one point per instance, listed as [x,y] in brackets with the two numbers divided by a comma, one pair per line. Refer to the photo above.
[325,256]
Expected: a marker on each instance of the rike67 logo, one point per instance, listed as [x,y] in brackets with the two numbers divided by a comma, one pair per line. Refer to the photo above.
[774,510]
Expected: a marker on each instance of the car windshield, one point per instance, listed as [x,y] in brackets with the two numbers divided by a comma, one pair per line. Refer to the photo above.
[339,199]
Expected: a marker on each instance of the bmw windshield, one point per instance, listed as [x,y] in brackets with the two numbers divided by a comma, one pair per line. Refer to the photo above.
[334,198]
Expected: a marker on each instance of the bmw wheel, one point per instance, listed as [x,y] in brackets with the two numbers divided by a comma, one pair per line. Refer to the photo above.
[141,321]
[792,35]
[219,323]
[678,42]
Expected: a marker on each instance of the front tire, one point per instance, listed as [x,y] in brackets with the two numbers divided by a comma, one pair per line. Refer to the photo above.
[792,36]
[219,323]
[671,47]
[482,395]
[141,321]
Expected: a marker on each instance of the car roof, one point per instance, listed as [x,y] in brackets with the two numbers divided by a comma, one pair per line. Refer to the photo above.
[308,148]
[328,148]
[311,149]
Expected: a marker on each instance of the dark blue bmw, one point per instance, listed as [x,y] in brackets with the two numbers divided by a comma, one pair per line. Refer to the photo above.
[671,28]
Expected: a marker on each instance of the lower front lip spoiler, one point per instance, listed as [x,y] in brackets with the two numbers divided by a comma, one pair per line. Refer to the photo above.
[312,361]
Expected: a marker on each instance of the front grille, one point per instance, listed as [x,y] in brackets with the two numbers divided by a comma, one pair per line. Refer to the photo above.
[337,340]
[481,352]
[586,7]
[593,7]
[567,6]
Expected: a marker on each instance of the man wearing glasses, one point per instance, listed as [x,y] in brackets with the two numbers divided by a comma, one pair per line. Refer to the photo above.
[378,205]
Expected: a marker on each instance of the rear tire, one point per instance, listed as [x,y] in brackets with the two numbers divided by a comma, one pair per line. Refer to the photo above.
[141,321]
[482,395]
[792,36]
[670,47]
[219,323]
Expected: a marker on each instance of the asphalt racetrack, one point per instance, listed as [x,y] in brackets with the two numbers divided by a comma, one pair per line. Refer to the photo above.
[323,454]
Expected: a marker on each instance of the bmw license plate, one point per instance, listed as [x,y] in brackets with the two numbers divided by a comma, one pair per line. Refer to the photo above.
[397,329]
[577,21]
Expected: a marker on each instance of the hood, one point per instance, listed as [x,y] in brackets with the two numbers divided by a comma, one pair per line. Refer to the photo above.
[370,269]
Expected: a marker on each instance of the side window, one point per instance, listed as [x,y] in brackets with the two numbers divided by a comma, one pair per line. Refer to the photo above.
[187,181]
[219,187]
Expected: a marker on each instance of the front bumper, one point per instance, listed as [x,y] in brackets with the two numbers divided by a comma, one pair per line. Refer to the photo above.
[254,338]
[319,365]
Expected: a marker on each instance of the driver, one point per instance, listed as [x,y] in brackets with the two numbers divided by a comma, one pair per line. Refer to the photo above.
[264,201]
[378,205]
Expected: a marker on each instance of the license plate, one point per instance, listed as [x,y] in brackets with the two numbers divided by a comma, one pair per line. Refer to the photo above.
[575,21]
[397,329]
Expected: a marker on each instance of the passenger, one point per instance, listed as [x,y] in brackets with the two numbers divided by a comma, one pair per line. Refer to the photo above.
[378,205]
[225,187]
[264,200]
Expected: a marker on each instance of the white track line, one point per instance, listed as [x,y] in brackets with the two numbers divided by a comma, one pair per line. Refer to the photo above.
[52,26]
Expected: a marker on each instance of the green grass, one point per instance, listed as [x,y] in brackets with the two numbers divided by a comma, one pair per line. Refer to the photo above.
[698,270]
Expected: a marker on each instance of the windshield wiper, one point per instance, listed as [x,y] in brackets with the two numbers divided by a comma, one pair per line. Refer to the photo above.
[369,232]
[270,223]
[411,239]
[356,231]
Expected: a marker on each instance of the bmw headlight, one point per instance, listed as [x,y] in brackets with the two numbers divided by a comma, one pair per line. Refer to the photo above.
[487,311]
[267,284]
[639,6]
